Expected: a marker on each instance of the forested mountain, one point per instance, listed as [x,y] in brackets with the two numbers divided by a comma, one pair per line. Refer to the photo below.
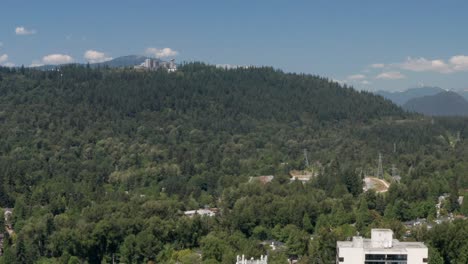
[441,104]
[400,98]
[100,164]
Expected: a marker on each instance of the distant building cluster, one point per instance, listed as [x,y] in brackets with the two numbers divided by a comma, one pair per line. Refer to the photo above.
[157,64]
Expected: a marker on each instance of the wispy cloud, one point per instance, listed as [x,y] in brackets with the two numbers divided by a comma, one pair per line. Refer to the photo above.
[355,77]
[24,31]
[456,63]
[94,56]
[57,59]
[392,75]
[424,65]
[161,53]
[377,65]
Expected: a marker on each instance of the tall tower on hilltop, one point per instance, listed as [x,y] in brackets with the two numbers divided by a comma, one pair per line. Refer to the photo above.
[380,168]
[306,159]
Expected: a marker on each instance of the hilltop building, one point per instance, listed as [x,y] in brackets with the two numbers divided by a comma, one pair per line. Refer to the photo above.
[157,64]
[380,248]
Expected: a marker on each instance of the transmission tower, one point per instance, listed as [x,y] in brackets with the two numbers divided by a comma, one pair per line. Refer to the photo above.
[380,168]
[306,160]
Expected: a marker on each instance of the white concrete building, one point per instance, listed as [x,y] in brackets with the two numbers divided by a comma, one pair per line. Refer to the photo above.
[243,260]
[380,248]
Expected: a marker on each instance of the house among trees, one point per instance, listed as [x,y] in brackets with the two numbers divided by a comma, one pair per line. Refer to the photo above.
[202,212]
[303,176]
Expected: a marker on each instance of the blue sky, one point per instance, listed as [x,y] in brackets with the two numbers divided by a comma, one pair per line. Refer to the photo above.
[371,45]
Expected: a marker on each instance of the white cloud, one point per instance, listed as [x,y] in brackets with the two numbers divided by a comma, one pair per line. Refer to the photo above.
[365,82]
[3,58]
[459,63]
[423,65]
[4,61]
[24,31]
[355,77]
[393,75]
[377,65]
[57,59]
[94,56]
[161,53]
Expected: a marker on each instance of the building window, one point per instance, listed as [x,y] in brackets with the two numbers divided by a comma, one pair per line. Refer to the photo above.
[397,257]
[425,260]
[383,258]
[341,259]
[375,257]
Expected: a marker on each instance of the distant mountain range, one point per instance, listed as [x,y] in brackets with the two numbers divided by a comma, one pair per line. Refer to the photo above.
[442,104]
[430,100]
[464,93]
[124,61]
[400,98]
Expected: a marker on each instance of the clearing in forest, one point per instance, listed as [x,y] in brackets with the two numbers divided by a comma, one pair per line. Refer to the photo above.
[379,185]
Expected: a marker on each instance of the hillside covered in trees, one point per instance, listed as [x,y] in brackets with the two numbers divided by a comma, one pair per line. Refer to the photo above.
[100,164]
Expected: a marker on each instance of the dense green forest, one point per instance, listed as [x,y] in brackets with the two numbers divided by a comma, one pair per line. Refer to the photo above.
[100,165]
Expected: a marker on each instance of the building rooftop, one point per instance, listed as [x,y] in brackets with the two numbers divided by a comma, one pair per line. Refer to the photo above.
[381,240]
